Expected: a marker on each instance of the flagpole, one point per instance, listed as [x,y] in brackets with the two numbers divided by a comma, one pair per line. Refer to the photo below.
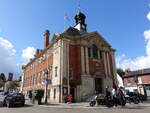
[65,21]
[79,6]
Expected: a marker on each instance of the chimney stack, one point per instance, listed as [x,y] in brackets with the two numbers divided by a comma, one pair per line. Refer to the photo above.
[37,51]
[46,38]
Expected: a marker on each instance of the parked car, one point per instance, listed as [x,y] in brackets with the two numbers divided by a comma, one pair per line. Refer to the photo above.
[13,99]
[2,98]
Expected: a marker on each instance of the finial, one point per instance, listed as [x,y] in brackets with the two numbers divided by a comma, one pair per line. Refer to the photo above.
[79,6]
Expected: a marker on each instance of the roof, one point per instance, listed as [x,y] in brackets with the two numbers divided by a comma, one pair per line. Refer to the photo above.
[72,31]
[138,72]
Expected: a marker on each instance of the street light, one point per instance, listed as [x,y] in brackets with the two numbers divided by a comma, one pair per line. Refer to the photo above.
[46,83]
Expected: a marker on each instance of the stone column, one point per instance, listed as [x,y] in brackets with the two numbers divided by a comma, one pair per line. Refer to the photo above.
[108,64]
[105,63]
[82,60]
[106,69]
[87,60]
[114,66]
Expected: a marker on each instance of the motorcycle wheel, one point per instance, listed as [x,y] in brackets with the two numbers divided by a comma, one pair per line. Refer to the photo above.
[136,101]
[110,104]
[92,103]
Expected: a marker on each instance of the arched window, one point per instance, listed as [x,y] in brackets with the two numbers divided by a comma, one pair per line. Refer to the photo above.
[95,52]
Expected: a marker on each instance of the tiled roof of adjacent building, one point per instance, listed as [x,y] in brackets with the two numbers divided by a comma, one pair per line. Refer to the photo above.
[137,72]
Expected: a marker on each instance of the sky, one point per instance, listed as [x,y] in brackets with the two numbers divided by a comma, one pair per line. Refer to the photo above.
[125,24]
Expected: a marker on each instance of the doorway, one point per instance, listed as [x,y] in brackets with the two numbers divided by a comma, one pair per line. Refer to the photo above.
[72,92]
[98,85]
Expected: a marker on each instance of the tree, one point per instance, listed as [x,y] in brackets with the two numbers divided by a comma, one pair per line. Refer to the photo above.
[20,79]
[2,80]
[120,72]
[2,77]
[13,85]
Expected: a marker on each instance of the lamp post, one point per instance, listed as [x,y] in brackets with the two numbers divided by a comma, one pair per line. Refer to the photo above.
[68,71]
[46,83]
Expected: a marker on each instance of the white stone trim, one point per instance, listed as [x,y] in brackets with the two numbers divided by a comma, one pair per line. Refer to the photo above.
[82,60]
[105,63]
[114,66]
[108,64]
[87,60]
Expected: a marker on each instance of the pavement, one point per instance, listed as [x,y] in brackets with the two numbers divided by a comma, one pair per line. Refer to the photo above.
[86,105]
[145,104]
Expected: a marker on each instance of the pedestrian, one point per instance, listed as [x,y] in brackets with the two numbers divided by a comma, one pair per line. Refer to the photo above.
[120,95]
[70,98]
[107,92]
[114,96]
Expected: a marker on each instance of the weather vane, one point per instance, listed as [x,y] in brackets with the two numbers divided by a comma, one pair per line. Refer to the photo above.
[79,6]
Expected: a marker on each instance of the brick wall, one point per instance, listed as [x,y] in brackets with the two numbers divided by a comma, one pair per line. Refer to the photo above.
[145,78]
[37,71]
[75,63]
[93,63]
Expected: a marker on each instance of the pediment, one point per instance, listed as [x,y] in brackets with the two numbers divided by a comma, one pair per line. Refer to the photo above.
[95,38]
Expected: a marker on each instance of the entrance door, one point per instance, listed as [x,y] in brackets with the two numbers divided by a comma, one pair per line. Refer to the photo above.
[72,92]
[98,85]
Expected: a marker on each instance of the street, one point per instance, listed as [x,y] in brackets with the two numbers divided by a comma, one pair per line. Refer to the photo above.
[49,109]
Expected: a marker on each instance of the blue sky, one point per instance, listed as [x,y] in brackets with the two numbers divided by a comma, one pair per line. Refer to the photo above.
[121,22]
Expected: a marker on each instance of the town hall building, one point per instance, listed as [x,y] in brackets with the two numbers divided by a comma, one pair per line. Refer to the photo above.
[74,62]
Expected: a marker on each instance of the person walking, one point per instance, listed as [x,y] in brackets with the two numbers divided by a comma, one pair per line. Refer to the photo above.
[121,98]
[108,93]
[114,96]
[70,98]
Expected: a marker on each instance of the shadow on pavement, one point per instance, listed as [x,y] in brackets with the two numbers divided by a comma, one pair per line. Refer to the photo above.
[51,104]
[139,107]
[17,106]
[27,105]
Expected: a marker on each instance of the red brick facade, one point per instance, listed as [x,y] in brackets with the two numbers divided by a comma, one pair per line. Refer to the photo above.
[93,67]
[86,66]
[145,79]
[75,64]
[137,77]
[34,77]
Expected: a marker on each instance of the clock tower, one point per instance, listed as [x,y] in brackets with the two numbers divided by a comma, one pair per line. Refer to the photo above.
[80,22]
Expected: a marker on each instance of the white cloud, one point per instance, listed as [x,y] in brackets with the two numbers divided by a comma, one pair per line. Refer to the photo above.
[8,58]
[133,64]
[28,53]
[147,39]
[148,16]
[139,62]
[147,34]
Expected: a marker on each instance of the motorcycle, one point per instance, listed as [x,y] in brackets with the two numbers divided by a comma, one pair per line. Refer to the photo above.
[132,97]
[92,102]
[102,100]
